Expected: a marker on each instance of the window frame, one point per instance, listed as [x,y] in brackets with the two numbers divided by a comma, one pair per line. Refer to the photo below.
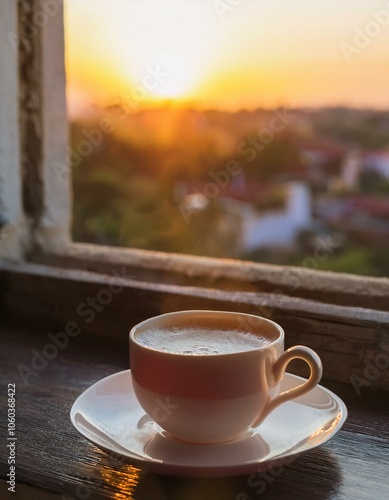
[37,237]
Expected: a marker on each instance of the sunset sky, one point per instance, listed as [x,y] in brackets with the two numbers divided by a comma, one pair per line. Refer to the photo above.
[258,53]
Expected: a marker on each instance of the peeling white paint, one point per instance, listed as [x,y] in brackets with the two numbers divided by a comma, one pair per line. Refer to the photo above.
[54,231]
[51,232]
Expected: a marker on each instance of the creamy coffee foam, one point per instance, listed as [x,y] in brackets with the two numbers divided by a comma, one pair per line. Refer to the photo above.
[197,341]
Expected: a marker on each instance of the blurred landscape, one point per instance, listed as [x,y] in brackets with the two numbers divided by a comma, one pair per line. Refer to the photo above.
[249,131]
[306,187]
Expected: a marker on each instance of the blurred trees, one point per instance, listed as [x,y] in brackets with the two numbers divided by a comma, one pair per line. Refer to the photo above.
[279,159]
[368,129]
[132,184]
[125,196]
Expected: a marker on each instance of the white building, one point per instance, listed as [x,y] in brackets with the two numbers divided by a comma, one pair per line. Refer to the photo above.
[378,162]
[351,170]
[278,228]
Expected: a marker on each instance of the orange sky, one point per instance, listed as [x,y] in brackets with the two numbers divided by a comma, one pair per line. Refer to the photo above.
[213,54]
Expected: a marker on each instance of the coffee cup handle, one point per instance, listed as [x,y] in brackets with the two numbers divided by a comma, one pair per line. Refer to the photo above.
[278,369]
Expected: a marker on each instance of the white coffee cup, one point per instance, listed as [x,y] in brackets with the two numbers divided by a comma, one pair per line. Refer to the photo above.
[213,398]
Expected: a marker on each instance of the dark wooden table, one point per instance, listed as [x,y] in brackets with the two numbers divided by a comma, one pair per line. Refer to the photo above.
[54,461]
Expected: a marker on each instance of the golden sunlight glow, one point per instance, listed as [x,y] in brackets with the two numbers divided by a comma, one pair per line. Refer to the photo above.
[256,53]
[170,49]
[178,76]
[141,49]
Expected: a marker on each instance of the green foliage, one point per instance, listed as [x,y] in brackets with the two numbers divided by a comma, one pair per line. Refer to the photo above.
[358,260]
[372,183]
[354,260]
[367,129]
[119,200]
[277,159]
[125,185]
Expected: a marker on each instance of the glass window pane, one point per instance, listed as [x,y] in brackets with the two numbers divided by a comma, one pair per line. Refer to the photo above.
[237,129]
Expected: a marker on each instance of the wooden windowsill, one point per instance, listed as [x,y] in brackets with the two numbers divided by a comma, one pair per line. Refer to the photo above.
[227,274]
[54,460]
[346,338]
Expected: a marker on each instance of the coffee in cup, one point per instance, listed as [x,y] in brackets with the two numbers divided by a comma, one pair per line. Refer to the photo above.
[208,376]
[195,341]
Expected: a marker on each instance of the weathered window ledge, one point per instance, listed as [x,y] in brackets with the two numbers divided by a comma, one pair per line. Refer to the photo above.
[187,270]
[346,338]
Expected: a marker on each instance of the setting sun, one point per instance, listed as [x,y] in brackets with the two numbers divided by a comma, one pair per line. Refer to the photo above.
[170,42]
[177,76]
[159,52]
[251,55]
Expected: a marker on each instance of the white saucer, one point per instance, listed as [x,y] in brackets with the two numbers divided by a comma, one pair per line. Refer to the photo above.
[108,414]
